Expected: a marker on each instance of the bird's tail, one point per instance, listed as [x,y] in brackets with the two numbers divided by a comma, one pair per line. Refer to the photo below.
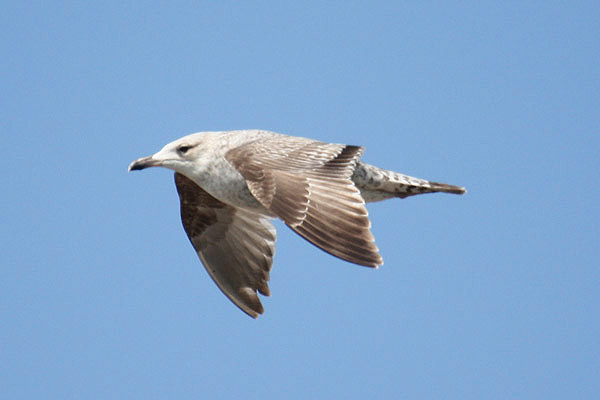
[444,188]
[379,184]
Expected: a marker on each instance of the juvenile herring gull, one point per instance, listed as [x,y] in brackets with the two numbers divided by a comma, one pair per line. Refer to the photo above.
[230,185]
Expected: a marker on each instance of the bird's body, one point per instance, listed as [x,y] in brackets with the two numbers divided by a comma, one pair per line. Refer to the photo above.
[215,174]
[231,183]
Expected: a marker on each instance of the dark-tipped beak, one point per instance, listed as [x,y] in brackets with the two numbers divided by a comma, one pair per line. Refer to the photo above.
[142,163]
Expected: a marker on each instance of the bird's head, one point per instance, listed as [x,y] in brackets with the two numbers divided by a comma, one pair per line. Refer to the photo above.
[178,155]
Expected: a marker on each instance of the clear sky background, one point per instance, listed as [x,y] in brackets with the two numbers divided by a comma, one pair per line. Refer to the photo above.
[491,295]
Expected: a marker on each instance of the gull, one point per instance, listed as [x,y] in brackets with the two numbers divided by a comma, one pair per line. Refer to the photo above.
[232,183]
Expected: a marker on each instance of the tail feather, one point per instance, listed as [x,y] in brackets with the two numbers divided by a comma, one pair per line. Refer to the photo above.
[378,184]
[445,188]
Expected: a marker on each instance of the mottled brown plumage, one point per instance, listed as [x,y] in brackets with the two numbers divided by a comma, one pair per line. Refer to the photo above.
[231,183]
[235,245]
[308,186]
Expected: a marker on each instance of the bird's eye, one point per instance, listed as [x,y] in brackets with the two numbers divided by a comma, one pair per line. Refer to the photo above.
[183,149]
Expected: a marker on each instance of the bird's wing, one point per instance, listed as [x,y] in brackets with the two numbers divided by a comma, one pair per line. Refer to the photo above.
[308,185]
[236,246]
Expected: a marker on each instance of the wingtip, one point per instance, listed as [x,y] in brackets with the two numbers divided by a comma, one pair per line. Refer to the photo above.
[250,303]
[252,313]
[375,262]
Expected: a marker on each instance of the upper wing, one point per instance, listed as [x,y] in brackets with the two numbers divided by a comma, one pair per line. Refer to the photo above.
[308,185]
[236,246]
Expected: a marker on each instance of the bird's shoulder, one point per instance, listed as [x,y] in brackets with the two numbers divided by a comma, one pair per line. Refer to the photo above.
[269,150]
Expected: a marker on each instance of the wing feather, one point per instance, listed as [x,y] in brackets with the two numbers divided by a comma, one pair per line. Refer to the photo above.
[235,246]
[308,185]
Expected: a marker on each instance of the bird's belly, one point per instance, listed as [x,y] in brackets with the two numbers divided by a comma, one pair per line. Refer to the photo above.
[225,183]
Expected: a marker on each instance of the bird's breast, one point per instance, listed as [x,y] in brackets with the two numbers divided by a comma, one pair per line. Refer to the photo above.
[222,181]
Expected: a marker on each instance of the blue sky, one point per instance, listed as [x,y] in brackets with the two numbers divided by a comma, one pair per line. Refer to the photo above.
[490,295]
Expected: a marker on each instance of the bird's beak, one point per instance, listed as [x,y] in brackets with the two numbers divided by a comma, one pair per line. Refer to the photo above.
[144,162]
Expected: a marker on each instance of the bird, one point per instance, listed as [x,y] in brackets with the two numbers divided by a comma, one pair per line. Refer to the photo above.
[231,184]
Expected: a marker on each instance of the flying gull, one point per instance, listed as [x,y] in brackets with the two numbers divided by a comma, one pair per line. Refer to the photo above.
[231,184]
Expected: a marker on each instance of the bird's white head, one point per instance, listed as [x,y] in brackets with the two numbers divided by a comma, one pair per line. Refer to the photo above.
[179,155]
